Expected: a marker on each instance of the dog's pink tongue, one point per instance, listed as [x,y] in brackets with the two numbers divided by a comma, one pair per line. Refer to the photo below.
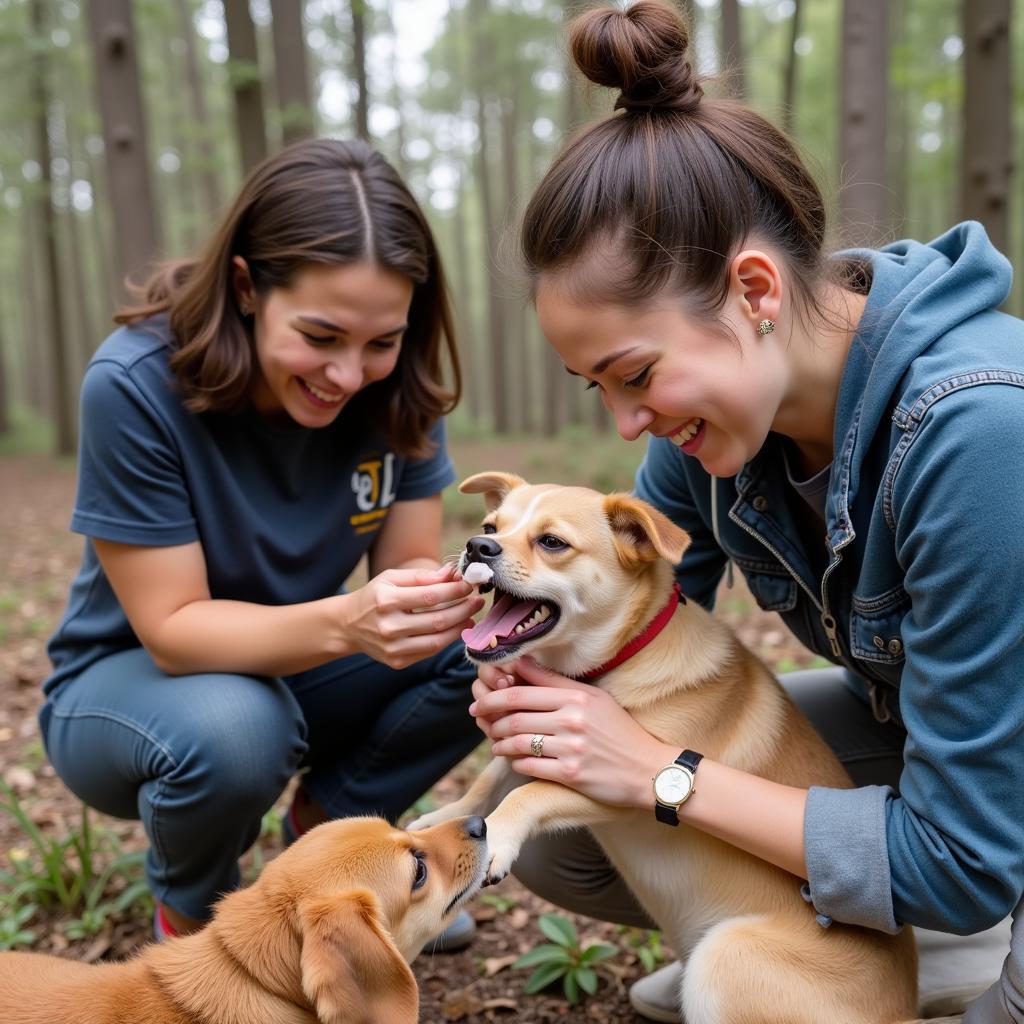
[505,614]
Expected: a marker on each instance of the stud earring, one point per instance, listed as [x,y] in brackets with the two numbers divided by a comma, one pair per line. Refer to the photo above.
[766,327]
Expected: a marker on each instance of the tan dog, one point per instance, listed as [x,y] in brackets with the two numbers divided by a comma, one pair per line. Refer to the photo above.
[578,575]
[324,936]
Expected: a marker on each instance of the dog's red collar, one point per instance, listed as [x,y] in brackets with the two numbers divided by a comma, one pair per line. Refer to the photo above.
[638,643]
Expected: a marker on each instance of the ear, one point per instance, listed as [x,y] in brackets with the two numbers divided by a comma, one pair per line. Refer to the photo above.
[241,281]
[351,969]
[493,486]
[641,533]
[755,278]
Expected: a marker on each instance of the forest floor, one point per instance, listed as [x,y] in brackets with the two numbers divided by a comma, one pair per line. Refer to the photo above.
[38,558]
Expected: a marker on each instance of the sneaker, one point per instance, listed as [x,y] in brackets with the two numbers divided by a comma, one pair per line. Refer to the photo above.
[458,935]
[656,997]
[162,928]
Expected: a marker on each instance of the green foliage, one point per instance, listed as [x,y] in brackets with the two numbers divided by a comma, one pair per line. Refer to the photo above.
[646,943]
[85,874]
[564,958]
[502,904]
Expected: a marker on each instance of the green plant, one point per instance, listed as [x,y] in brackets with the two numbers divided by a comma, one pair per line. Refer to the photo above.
[502,904]
[647,946]
[563,958]
[86,873]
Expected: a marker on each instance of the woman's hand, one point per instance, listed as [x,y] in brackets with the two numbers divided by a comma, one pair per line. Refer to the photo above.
[590,743]
[404,615]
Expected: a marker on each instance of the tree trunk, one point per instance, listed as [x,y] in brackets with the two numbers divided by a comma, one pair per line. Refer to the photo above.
[54,321]
[395,98]
[986,162]
[362,111]
[244,67]
[864,198]
[472,378]
[789,82]
[732,47]
[517,384]
[136,235]
[209,185]
[291,71]
[497,340]
[5,383]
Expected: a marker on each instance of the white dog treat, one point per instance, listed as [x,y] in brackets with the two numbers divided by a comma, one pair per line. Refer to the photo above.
[477,573]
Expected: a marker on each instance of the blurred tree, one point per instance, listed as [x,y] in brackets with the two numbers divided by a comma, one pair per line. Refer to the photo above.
[205,164]
[789,83]
[864,199]
[732,47]
[291,71]
[246,87]
[986,152]
[136,235]
[58,363]
[362,111]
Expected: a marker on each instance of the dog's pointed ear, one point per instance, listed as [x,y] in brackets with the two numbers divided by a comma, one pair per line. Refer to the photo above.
[642,533]
[493,486]
[352,971]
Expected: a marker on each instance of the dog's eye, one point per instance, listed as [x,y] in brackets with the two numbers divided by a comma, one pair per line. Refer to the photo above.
[549,542]
[489,528]
[421,872]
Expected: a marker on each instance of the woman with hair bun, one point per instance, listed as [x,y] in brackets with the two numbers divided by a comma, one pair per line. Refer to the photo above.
[845,430]
[267,415]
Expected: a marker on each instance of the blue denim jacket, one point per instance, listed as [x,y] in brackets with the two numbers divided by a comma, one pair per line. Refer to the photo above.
[915,591]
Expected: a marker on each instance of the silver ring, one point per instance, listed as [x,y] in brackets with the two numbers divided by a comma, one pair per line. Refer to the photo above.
[537,745]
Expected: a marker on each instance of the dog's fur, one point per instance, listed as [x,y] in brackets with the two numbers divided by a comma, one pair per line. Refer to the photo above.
[752,949]
[324,936]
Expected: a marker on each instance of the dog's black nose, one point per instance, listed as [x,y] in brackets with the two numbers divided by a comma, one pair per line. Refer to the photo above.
[476,827]
[482,548]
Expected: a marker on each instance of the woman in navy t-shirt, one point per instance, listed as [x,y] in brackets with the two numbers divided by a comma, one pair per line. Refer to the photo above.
[268,414]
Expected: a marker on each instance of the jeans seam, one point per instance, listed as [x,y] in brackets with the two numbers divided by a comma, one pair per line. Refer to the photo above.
[119,720]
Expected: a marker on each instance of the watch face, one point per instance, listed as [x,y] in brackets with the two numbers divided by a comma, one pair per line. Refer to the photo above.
[672,785]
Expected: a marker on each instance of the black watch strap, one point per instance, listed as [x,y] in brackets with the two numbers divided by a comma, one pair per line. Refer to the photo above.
[666,814]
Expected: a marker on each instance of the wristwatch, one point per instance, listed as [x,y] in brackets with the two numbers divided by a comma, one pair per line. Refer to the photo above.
[673,786]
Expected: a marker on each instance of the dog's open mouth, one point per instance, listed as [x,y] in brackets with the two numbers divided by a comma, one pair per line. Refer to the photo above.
[511,622]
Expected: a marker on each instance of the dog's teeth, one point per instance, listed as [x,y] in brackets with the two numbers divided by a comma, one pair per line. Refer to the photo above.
[494,642]
[520,628]
[543,612]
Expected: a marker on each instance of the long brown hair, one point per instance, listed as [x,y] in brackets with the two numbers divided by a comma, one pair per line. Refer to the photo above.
[659,195]
[318,201]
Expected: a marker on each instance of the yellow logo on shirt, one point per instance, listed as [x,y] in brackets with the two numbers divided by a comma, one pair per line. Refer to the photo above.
[373,485]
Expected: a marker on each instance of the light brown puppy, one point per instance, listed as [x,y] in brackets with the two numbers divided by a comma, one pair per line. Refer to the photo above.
[577,576]
[324,936]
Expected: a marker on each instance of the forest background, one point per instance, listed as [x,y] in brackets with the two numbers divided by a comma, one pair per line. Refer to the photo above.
[125,126]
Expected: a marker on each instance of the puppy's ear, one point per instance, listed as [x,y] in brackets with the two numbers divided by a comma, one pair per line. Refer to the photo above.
[351,968]
[642,533]
[493,486]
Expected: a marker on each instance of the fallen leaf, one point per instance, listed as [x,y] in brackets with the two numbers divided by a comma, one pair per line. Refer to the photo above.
[493,964]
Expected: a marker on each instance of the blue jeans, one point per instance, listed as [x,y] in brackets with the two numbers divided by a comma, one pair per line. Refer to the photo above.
[200,758]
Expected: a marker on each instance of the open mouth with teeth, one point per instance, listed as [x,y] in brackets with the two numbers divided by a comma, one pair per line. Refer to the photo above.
[511,622]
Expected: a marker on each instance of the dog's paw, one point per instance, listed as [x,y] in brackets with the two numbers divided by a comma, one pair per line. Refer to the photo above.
[503,855]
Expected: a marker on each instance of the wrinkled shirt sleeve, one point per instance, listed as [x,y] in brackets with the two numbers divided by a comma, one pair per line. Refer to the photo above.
[949,847]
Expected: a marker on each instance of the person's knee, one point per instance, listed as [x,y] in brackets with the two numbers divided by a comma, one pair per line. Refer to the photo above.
[243,751]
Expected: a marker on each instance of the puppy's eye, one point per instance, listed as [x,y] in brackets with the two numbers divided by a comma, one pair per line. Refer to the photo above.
[421,872]
[489,528]
[549,542]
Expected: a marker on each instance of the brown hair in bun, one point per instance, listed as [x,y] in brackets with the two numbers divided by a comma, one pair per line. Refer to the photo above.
[661,194]
[642,52]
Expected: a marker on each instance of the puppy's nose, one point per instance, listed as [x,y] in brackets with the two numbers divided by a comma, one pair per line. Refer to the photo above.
[482,549]
[476,827]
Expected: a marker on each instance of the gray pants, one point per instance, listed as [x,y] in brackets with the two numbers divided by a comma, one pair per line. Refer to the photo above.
[571,870]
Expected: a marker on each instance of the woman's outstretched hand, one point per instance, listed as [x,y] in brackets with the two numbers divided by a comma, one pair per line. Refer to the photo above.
[403,615]
[590,743]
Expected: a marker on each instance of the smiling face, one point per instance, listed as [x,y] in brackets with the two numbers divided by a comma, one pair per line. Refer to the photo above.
[661,372]
[335,330]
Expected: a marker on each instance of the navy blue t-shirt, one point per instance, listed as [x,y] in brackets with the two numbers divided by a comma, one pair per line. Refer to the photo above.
[283,512]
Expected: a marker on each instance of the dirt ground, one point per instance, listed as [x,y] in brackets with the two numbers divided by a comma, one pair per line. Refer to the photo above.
[38,557]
